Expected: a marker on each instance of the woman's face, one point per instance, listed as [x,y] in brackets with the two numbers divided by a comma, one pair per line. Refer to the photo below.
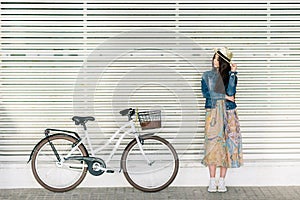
[216,61]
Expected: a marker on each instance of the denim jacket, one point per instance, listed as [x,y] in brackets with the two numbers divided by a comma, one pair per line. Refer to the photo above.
[208,83]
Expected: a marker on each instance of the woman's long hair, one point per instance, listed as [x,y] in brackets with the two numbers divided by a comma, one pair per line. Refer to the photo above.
[223,79]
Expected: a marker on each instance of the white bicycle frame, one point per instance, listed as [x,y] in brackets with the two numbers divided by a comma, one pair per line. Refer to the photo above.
[130,126]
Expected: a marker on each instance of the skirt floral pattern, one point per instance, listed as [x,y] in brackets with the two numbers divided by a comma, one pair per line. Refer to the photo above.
[223,140]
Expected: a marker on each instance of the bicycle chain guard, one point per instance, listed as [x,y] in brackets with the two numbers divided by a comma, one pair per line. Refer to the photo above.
[94,164]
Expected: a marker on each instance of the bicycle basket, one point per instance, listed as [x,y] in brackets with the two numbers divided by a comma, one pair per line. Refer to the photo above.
[150,119]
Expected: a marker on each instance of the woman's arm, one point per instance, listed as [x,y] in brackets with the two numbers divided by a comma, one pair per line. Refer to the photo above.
[204,89]
[231,88]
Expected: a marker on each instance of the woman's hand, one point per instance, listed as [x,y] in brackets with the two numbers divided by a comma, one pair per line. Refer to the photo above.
[230,98]
[233,67]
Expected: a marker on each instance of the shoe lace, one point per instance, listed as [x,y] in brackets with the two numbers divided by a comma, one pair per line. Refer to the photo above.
[221,183]
[212,183]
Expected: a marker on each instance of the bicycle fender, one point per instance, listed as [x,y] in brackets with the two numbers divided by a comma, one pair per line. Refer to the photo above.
[46,138]
[144,136]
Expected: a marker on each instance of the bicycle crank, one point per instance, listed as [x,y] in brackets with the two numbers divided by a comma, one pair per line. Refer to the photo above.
[95,166]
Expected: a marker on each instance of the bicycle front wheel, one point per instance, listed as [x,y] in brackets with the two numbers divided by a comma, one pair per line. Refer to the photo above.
[152,169]
[52,174]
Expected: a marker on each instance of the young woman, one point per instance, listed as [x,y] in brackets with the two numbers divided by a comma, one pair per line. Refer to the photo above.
[223,141]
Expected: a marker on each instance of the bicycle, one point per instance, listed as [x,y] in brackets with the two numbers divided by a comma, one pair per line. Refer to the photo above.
[150,163]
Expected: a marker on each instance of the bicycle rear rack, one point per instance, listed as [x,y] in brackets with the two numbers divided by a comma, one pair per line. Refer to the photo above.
[47,132]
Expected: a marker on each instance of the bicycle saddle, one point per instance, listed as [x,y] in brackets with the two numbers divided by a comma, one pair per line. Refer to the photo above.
[82,120]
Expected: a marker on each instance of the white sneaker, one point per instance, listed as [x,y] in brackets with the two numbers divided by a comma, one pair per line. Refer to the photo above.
[212,185]
[221,185]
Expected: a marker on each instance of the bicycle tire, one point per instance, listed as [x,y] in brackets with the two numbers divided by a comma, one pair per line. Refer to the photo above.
[44,158]
[138,170]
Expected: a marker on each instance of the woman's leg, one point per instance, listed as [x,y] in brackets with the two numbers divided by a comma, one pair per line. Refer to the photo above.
[212,170]
[221,184]
[212,182]
[223,171]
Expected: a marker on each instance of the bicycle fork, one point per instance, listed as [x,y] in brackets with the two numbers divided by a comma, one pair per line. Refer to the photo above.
[140,142]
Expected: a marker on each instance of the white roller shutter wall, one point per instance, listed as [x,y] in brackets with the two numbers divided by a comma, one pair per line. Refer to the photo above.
[45,43]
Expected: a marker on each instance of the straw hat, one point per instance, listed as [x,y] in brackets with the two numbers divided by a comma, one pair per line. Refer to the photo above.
[224,53]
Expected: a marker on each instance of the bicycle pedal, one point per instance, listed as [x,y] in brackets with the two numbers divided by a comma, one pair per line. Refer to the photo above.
[110,171]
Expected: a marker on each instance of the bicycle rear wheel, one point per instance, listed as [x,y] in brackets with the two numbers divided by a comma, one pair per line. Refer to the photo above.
[153,176]
[54,175]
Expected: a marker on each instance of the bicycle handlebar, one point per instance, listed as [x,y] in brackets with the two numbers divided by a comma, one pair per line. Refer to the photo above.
[129,112]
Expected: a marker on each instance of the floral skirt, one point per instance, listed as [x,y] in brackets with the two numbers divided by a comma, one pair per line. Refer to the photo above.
[223,140]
